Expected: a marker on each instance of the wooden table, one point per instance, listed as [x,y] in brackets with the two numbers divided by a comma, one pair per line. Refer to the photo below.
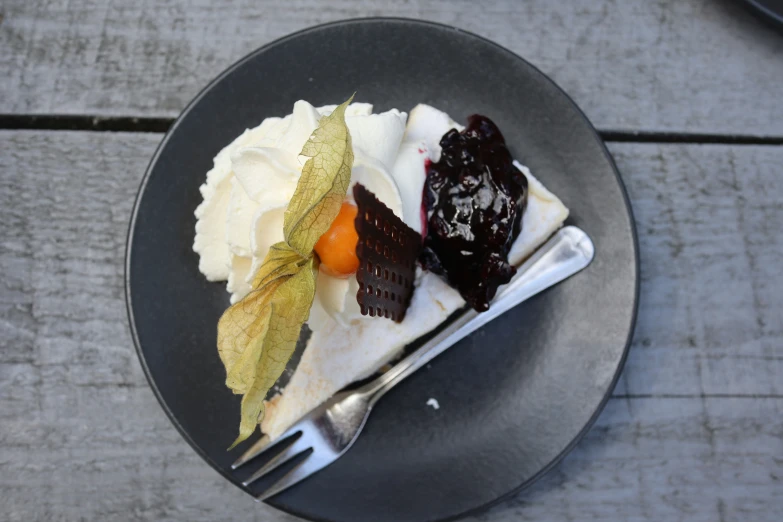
[688,94]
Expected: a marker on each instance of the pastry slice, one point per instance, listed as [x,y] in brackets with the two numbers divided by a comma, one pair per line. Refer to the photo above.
[279,224]
[338,354]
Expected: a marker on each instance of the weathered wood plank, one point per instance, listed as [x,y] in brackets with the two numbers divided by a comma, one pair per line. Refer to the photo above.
[711,311]
[665,459]
[710,319]
[672,65]
[646,459]
[694,432]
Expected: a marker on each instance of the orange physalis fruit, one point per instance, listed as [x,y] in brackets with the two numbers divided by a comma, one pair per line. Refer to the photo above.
[337,247]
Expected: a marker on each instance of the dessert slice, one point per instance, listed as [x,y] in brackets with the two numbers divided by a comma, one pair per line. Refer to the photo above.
[336,354]
[278,223]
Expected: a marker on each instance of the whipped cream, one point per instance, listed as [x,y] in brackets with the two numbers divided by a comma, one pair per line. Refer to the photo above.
[248,189]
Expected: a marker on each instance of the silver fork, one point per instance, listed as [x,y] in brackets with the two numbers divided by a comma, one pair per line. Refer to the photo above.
[327,432]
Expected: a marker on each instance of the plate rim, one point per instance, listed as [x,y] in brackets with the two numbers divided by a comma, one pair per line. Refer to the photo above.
[344,22]
[770,16]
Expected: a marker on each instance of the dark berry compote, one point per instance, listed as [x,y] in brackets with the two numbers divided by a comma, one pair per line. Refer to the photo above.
[474,198]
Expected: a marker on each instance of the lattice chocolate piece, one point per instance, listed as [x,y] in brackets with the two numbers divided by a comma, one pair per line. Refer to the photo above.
[387,252]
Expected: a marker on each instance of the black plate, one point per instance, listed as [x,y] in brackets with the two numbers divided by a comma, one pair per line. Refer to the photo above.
[514,397]
[771,10]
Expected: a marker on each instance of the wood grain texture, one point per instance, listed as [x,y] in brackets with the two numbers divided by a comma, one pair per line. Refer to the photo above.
[711,310]
[669,65]
[694,432]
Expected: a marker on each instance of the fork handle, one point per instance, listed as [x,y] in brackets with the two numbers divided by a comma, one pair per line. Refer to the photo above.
[566,253]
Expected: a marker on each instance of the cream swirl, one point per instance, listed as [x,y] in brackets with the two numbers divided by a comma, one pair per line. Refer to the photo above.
[254,177]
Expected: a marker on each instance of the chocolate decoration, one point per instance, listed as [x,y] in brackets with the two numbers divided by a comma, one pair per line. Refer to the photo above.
[387,252]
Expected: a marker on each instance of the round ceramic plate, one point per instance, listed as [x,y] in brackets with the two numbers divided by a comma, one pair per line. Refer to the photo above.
[515,396]
[771,10]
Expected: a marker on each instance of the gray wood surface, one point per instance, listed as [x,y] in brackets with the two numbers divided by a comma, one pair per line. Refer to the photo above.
[668,65]
[694,431]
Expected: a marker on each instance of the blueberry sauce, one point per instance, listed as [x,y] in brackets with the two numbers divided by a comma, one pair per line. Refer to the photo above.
[474,199]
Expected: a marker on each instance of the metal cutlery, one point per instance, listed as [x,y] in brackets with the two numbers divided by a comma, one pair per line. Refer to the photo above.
[327,432]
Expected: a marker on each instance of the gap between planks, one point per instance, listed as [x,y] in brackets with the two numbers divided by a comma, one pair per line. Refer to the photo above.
[689,396]
[59,122]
